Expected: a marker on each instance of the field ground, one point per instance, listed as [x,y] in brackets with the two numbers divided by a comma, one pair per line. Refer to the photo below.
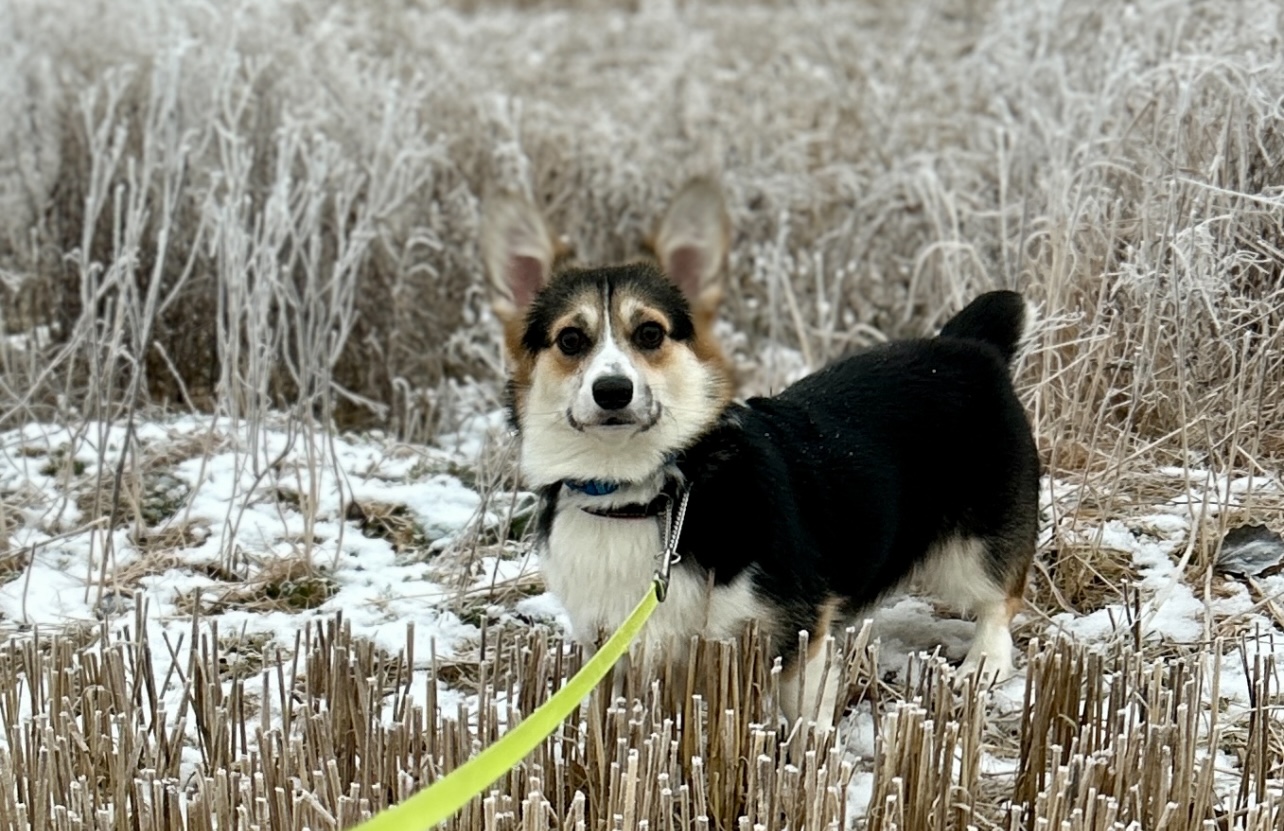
[262,554]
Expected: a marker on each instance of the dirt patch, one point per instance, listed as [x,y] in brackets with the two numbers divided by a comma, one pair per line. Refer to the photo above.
[393,523]
[287,585]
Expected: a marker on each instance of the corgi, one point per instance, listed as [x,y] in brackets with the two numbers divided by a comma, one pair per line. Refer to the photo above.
[908,461]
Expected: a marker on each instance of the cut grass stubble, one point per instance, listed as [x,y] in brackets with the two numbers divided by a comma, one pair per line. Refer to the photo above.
[339,730]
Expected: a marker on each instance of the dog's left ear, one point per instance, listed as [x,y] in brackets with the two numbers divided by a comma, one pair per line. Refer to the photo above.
[518,251]
[692,243]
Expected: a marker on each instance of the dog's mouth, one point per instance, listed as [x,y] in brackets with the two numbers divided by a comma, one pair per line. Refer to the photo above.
[615,421]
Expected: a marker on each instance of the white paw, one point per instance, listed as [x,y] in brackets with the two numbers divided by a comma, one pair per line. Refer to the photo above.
[991,652]
[991,671]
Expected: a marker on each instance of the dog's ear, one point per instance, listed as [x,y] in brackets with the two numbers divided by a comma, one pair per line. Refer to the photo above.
[692,243]
[518,251]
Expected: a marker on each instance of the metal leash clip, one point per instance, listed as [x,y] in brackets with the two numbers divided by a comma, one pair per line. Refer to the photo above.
[669,555]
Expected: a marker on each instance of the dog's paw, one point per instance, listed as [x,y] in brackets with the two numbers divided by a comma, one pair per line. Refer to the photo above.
[990,658]
[987,671]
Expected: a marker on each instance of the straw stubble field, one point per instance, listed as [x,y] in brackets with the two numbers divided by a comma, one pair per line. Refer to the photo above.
[263,559]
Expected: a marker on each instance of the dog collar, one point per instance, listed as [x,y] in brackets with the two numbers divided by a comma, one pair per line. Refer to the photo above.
[633,510]
[604,487]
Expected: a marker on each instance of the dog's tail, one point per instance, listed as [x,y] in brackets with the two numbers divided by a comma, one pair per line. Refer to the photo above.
[996,317]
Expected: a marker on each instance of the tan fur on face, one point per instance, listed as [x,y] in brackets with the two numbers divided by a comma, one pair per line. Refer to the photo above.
[627,314]
[521,369]
[584,315]
[709,350]
[690,245]
[630,312]
[566,434]
[690,381]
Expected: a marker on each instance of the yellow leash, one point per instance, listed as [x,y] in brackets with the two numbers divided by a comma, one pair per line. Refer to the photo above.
[453,791]
[447,795]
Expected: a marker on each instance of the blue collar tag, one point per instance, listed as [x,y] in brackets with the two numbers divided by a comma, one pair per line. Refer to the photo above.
[593,487]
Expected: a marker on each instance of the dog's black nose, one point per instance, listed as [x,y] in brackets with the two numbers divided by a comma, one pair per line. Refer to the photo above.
[612,392]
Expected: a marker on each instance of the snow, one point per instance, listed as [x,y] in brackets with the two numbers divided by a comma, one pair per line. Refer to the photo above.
[254,497]
[230,497]
[859,791]
[544,607]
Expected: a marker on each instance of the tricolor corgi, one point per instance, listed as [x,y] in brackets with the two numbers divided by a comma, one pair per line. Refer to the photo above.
[912,460]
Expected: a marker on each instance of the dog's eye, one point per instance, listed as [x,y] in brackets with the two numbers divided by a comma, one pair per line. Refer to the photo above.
[571,341]
[649,335]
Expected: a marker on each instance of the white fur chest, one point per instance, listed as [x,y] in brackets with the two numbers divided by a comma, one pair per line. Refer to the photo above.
[599,567]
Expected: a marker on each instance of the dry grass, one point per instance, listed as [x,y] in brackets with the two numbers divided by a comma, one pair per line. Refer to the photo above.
[170,538]
[248,210]
[284,584]
[1109,741]
[393,523]
[347,716]
[12,563]
[190,225]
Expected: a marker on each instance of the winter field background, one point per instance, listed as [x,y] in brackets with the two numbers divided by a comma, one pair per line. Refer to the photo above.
[262,558]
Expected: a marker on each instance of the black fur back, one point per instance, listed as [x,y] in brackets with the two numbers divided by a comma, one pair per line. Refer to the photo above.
[841,485]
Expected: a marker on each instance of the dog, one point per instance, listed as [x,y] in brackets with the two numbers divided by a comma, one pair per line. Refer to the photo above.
[908,461]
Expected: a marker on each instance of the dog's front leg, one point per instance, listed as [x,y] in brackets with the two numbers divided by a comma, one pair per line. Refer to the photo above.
[619,672]
[809,686]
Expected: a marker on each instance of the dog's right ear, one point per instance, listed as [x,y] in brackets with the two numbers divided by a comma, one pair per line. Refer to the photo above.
[518,251]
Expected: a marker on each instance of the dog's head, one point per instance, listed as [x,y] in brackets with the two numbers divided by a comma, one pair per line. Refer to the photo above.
[611,369]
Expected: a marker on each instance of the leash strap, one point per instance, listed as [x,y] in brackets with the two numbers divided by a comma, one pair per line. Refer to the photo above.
[447,795]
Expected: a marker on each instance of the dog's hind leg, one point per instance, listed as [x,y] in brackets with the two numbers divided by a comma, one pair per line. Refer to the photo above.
[991,650]
[962,572]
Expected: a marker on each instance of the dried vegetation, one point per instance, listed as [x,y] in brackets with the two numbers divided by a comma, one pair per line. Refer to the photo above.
[243,210]
[338,729]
